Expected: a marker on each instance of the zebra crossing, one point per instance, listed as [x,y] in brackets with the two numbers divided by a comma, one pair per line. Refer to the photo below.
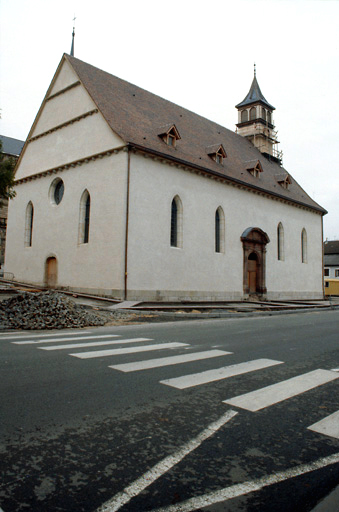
[252,401]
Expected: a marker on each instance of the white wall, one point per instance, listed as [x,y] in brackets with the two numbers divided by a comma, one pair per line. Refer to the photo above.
[160,271]
[96,267]
[85,137]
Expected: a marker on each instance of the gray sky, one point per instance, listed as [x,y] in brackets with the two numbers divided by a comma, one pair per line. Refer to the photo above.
[198,54]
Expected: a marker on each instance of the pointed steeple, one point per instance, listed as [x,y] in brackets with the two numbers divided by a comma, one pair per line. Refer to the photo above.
[73,35]
[255,121]
[254,95]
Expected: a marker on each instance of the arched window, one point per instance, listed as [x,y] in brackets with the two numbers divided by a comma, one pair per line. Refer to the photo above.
[29,224]
[244,116]
[219,230]
[176,222]
[253,113]
[269,117]
[84,218]
[263,113]
[304,246]
[280,238]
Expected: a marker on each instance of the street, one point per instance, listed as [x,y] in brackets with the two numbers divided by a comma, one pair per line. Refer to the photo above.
[222,415]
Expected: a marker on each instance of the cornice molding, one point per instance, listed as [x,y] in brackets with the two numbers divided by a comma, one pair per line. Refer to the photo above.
[71,165]
[60,126]
[62,91]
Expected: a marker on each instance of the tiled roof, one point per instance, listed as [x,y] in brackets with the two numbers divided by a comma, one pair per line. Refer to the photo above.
[11,146]
[331,247]
[136,116]
[331,260]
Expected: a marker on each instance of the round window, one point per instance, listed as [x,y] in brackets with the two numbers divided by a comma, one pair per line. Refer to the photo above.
[57,191]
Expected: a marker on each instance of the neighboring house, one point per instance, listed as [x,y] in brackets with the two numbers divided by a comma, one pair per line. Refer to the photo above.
[125,194]
[331,259]
[11,148]
[331,267]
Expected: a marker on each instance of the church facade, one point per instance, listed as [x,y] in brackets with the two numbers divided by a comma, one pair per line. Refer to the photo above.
[127,195]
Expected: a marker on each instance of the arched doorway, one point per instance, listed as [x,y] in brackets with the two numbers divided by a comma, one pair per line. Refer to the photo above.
[51,272]
[254,242]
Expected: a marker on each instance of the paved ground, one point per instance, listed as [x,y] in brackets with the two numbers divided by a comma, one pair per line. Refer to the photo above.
[79,429]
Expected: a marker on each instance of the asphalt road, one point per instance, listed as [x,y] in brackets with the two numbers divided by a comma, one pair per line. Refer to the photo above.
[77,433]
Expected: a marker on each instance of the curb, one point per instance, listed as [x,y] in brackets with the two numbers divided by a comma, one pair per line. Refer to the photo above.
[205,316]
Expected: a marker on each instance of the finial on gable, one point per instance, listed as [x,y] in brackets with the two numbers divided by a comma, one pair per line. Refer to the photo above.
[255,70]
[73,35]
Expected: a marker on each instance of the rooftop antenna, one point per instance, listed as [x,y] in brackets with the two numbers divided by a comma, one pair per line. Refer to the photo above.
[73,35]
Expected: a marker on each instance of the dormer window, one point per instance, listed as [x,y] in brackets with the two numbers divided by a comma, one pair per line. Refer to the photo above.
[254,167]
[284,180]
[218,158]
[171,139]
[169,134]
[217,153]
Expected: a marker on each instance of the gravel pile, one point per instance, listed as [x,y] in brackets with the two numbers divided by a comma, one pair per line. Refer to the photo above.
[45,310]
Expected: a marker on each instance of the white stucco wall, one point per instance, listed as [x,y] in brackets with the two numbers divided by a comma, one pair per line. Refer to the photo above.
[85,137]
[157,271]
[60,109]
[66,77]
[161,271]
[96,267]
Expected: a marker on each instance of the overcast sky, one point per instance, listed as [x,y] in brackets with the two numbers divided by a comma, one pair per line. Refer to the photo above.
[200,55]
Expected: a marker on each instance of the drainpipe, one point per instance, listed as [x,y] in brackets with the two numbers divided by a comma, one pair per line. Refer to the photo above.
[322,253]
[127,219]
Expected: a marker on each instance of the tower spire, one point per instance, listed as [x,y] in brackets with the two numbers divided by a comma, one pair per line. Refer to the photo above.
[255,121]
[73,35]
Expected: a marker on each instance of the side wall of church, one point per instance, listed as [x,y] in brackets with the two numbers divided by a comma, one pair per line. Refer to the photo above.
[157,271]
[93,267]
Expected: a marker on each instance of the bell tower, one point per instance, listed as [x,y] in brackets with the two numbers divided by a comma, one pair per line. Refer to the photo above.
[255,122]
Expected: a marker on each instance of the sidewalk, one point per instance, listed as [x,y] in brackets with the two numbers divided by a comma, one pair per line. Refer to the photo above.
[330,503]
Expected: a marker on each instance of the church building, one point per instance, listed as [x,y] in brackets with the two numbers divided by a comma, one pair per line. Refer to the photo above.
[124,194]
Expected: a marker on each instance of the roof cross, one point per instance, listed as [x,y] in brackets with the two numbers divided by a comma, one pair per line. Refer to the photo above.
[73,35]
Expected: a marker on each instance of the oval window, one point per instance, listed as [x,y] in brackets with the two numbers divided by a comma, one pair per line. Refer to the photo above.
[57,191]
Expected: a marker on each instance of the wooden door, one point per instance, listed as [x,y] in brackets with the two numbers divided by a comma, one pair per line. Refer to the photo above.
[51,272]
[252,275]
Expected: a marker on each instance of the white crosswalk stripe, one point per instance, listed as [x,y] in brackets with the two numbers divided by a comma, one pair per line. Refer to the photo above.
[196,379]
[328,426]
[95,344]
[270,395]
[55,340]
[129,350]
[167,361]
[253,401]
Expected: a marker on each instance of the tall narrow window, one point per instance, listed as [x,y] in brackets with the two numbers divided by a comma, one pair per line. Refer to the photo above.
[176,222]
[84,218]
[29,225]
[304,246]
[219,230]
[280,238]
[253,113]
